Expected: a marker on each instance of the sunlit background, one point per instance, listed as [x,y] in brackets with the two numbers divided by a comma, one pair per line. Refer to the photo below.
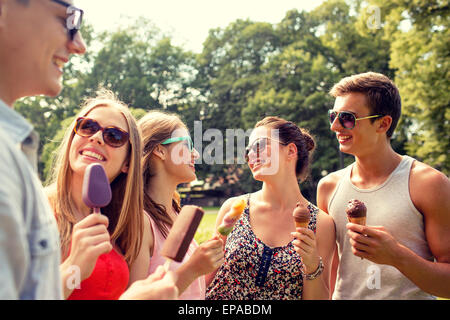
[188,21]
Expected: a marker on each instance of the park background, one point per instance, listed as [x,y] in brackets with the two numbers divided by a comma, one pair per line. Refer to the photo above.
[251,69]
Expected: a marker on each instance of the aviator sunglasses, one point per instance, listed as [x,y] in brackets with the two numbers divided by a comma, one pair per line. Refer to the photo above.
[113,136]
[259,146]
[74,18]
[346,118]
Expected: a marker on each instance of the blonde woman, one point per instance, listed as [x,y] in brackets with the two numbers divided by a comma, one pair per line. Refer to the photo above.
[104,250]
[168,160]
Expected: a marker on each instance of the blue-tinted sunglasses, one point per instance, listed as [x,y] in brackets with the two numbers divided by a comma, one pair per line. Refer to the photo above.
[176,139]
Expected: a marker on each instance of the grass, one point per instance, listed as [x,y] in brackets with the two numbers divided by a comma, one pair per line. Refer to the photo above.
[206,228]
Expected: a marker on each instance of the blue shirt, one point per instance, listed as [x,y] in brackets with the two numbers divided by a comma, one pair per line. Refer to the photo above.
[29,238]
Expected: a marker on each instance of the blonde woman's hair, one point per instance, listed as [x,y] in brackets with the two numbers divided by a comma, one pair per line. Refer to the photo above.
[125,211]
[156,127]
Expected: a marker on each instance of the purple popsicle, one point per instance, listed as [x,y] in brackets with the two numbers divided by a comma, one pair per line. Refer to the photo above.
[96,189]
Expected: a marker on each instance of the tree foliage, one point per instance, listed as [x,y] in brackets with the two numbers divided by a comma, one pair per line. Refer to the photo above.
[250,69]
[420,50]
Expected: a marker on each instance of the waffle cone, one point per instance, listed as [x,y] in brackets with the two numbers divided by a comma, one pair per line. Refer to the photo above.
[301,224]
[358,220]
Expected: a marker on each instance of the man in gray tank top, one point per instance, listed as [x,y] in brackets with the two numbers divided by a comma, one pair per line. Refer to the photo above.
[403,251]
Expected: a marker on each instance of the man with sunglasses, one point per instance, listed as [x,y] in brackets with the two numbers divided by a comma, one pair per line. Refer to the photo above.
[37,38]
[404,250]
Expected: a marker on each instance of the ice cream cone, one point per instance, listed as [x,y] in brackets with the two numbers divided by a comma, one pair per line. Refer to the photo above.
[356,212]
[301,215]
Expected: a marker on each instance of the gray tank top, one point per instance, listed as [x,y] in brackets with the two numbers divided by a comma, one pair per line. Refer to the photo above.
[388,205]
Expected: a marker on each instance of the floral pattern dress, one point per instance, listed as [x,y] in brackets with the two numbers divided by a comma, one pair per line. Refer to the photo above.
[254,271]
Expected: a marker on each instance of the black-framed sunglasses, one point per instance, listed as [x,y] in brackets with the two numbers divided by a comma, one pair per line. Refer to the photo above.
[346,118]
[74,18]
[258,146]
[113,136]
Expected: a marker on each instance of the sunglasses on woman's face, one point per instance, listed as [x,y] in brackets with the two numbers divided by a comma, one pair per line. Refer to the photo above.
[188,139]
[347,119]
[113,136]
[259,146]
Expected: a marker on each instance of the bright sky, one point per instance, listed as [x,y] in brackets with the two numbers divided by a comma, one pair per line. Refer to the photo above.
[188,21]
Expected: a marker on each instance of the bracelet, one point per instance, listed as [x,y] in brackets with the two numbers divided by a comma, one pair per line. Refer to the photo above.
[316,273]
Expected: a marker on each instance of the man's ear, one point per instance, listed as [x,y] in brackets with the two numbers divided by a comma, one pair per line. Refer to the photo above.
[384,124]
[160,152]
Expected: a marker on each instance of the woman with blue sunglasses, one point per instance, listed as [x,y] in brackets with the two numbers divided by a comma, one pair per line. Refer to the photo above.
[168,160]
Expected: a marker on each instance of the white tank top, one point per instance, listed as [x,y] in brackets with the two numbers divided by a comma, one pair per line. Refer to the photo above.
[388,205]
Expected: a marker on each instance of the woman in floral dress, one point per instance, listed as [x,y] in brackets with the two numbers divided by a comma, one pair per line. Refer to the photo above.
[266,257]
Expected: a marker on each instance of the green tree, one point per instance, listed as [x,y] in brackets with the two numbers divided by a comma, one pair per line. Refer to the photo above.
[296,81]
[229,73]
[420,54]
[142,67]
